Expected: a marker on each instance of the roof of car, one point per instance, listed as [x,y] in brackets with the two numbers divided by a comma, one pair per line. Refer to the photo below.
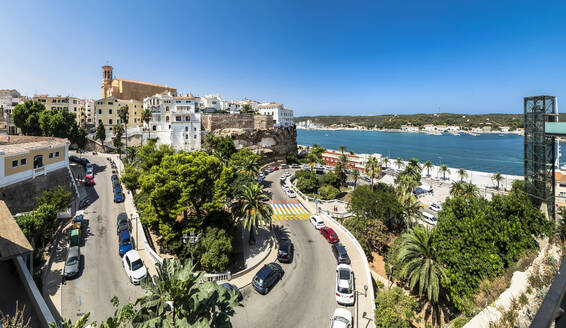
[344,267]
[124,234]
[133,255]
[341,312]
[262,274]
[284,243]
[73,251]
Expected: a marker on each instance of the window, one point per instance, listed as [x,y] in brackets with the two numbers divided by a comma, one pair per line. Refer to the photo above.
[110,103]
[110,121]
[110,129]
[53,107]
[167,108]
[23,161]
[50,155]
[169,126]
[15,163]
[166,118]
[37,161]
[195,136]
[56,154]
[186,136]
[186,129]
[194,129]
[154,128]
[109,111]
[99,121]
[100,111]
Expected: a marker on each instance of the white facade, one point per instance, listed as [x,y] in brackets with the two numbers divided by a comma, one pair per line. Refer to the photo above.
[89,112]
[429,127]
[281,116]
[409,128]
[453,128]
[9,100]
[175,121]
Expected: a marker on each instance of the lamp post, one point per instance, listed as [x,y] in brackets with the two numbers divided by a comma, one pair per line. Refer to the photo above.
[365,293]
[192,239]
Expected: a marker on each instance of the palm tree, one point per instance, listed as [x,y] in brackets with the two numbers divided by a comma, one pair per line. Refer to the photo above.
[414,162]
[342,149]
[355,177]
[177,297]
[124,114]
[341,169]
[419,265]
[428,165]
[457,188]
[465,189]
[462,174]
[250,165]
[385,161]
[373,169]
[411,204]
[131,153]
[497,177]
[398,162]
[252,206]
[146,117]
[444,169]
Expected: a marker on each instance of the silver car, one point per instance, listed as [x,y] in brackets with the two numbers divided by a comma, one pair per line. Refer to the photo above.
[72,264]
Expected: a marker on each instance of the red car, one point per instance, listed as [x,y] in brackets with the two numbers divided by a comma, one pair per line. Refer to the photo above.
[329,234]
[275,168]
[89,180]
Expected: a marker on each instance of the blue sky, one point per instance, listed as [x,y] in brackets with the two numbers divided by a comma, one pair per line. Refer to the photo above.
[318,58]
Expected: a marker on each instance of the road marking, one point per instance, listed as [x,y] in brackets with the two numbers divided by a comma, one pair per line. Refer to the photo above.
[288,210]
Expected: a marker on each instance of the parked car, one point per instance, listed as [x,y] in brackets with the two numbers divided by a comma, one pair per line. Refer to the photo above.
[435,207]
[429,218]
[341,318]
[329,234]
[75,239]
[74,159]
[231,287]
[345,285]
[275,168]
[285,250]
[72,263]
[124,243]
[317,221]
[291,193]
[284,166]
[119,197]
[133,264]
[79,217]
[122,223]
[89,180]
[89,171]
[114,178]
[265,278]
[367,179]
[84,161]
[296,166]
[340,254]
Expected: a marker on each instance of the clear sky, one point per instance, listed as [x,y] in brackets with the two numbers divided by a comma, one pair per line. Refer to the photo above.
[318,58]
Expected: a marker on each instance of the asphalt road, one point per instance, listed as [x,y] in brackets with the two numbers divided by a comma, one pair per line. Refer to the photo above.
[305,296]
[102,275]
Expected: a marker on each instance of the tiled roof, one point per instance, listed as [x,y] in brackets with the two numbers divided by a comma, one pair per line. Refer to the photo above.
[10,144]
[13,242]
[146,83]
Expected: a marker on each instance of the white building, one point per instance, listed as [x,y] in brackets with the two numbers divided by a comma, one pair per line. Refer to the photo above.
[281,116]
[454,128]
[429,127]
[9,98]
[89,111]
[175,121]
[409,128]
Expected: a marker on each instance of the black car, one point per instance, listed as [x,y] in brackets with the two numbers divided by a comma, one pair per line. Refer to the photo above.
[340,254]
[285,250]
[115,178]
[83,161]
[123,224]
[74,159]
[231,287]
[265,278]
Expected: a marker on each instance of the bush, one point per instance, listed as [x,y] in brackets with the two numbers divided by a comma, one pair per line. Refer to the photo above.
[291,158]
[395,309]
[130,177]
[306,181]
[58,196]
[331,179]
[213,250]
[328,192]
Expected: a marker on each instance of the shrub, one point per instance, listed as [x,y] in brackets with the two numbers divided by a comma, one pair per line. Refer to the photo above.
[213,250]
[328,192]
[395,309]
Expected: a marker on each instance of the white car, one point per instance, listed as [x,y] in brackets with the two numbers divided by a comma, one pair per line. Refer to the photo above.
[345,285]
[435,207]
[429,218]
[133,264]
[317,222]
[291,193]
[341,318]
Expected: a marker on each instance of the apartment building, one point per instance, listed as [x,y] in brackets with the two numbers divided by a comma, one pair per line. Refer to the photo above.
[353,161]
[106,112]
[25,157]
[10,98]
[71,104]
[281,116]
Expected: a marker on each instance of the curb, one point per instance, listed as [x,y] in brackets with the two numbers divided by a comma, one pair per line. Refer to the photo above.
[247,270]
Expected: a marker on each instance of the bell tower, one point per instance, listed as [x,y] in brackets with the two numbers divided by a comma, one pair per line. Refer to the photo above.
[106,80]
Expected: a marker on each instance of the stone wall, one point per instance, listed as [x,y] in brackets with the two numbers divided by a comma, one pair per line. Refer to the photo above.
[214,122]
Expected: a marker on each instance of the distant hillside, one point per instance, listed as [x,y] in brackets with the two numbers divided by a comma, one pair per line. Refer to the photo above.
[465,121]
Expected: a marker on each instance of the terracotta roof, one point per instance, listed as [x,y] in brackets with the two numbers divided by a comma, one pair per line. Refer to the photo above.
[559,177]
[268,105]
[13,242]
[146,83]
[10,144]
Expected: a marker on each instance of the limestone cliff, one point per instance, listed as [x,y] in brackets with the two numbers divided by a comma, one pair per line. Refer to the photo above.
[272,144]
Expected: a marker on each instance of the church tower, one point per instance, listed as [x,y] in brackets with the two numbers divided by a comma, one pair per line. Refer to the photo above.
[106,81]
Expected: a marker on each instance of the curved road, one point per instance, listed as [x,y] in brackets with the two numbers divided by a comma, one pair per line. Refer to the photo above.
[305,296]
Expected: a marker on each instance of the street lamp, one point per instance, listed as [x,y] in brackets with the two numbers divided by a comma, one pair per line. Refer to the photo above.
[192,239]
[358,302]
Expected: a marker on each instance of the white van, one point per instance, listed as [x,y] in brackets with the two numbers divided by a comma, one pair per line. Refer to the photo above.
[429,218]
[317,222]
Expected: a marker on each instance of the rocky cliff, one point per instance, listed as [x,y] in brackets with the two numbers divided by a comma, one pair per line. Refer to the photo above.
[272,144]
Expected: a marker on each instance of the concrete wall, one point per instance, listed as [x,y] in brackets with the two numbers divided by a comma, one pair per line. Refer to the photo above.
[212,122]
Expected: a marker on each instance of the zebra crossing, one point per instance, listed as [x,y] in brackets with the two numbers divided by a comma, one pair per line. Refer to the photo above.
[288,210]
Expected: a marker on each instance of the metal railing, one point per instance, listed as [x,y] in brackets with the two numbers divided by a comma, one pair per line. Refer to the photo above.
[552,308]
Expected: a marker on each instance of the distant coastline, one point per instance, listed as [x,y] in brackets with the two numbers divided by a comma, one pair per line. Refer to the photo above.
[325,128]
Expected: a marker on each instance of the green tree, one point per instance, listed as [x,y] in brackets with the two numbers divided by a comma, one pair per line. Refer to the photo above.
[26,117]
[497,177]
[130,177]
[253,209]
[419,265]
[371,233]
[373,169]
[355,176]
[117,139]
[342,149]
[246,108]
[427,165]
[246,162]
[444,169]
[58,196]
[179,298]
[67,323]
[291,158]
[80,138]
[394,309]
[462,174]
[398,162]
[341,169]
[214,249]
[221,147]
[100,133]
[58,123]
[328,192]
[380,204]
[306,181]
[385,161]
[464,189]
[124,115]
[131,153]
[331,179]
[146,118]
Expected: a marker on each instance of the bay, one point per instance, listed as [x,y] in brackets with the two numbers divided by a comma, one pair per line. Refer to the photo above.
[486,152]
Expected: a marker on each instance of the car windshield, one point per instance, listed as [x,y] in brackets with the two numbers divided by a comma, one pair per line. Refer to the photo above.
[72,260]
[258,280]
[137,264]
[344,275]
[282,252]
[333,235]
[125,242]
[344,290]
[340,319]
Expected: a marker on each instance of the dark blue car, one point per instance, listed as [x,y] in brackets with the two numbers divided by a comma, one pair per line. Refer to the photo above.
[119,197]
[265,278]
[125,242]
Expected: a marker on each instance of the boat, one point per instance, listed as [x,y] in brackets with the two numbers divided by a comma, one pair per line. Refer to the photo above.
[501,134]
